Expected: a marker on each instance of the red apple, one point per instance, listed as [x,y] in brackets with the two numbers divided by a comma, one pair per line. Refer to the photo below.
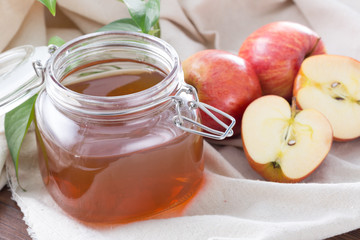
[331,85]
[224,81]
[276,52]
[281,143]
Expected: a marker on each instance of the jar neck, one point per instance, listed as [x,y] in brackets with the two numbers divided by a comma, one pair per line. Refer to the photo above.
[129,51]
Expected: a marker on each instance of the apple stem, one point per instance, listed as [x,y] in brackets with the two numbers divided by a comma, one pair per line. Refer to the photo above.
[293,108]
[313,48]
[289,136]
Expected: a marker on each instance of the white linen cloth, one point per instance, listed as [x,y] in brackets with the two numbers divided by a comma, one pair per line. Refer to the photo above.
[234,202]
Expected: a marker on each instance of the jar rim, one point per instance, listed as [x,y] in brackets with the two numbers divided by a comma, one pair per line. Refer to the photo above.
[146,38]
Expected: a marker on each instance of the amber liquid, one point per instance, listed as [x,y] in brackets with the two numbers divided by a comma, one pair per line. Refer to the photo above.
[126,83]
[102,179]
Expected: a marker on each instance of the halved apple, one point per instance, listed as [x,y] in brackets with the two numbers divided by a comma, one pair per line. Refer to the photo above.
[281,143]
[331,85]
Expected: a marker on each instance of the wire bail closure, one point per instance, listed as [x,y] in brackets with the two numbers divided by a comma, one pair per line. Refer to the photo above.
[210,132]
[18,79]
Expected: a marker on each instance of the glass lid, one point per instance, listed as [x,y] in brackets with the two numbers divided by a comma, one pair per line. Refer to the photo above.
[18,79]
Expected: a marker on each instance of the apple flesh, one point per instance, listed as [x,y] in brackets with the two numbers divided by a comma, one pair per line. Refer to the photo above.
[281,143]
[224,81]
[331,84]
[276,52]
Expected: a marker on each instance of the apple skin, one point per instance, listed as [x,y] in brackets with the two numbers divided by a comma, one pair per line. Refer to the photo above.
[224,81]
[276,52]
[269,173]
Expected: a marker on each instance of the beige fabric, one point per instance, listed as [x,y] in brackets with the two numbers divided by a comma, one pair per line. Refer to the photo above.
[234,203]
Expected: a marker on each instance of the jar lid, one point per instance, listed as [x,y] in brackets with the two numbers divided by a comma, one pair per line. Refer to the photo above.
[18,79]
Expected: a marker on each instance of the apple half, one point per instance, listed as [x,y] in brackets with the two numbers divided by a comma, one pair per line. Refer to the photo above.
[331,85]
[281,143]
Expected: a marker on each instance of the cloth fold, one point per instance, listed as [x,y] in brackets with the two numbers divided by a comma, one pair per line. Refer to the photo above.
[234,202]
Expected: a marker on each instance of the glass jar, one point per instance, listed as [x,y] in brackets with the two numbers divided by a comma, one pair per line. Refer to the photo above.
[113,159]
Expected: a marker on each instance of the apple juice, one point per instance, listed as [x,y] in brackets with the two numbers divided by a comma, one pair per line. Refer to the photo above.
[128,82]
[116,171]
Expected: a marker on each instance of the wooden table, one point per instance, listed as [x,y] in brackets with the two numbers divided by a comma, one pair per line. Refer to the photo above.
[12,227]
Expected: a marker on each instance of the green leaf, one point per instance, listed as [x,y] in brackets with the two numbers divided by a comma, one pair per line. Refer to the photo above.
[17,123]
[50,4]
[56,40]
[126,24]
[145,13]
[156,30]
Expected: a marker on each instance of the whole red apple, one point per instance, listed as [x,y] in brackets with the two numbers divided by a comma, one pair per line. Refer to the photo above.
[223,80]
[276,52]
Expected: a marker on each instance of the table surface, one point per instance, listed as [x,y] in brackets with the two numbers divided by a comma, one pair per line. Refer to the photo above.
[12,227]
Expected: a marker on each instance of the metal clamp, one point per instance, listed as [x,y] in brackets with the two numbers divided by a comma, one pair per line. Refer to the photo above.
[38,68]
[210,132]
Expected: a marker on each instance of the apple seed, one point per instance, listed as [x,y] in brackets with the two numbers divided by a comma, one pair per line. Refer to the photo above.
[339,98]
[291,142]
[335,84]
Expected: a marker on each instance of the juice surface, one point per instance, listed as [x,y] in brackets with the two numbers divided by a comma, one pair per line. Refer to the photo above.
[119,171]
[116,85]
